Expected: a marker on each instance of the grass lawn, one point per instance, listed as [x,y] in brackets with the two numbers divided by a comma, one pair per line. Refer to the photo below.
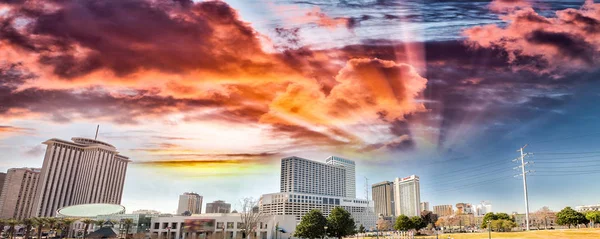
[559,233]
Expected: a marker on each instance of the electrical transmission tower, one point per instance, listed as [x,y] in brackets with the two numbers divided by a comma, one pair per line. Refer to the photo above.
[524,174]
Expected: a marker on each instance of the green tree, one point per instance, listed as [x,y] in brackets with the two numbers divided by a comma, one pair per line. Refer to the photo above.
[87,223]
[490,216]
[127,222]
[570,217]
[417,223]
[28,225]
[593,217]
[12,224]
[403,223]
[312,225]
[502,225]
[504,216]
[340,223]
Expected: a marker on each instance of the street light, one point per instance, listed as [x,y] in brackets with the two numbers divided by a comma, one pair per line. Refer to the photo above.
[325,227]
[489,229]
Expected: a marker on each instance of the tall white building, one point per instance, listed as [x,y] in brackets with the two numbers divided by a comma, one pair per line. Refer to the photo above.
[79,172]
[424,206]
[301,175]
[189,202]
[18,193]
[483,208]
[307,185]
[350,177]
[407,195]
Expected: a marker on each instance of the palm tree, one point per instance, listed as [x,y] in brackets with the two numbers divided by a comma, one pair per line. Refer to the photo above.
[28,224]
[39,222]
[100,223]
[12,223]
[2,224]
[127,222]
[66,225]
[51,223]
[87,223]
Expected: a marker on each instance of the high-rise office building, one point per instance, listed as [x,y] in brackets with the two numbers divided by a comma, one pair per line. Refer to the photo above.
[464,208]
[79,172]
[307,185]
[383,197]
[300,175]
[18,193]
[2,177]
[218,207]
[407,196]
[350,177]
[190,202]
[443,210]
[424,206]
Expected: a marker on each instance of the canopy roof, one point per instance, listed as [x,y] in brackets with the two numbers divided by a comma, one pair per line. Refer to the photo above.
[90,210]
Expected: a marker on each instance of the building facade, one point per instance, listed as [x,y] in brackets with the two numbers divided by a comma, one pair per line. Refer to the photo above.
[299,175]
[2,178]
[424,206]
[407,196]
[464,208]
[383,198]
[350,177]
[483,208]
[79,172]
[443,210]
[219,226]
[588,208]
[299,204]
[218,206]
[189,202]
[18,193]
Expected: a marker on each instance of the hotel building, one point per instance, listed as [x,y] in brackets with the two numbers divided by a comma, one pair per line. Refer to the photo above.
[307,185]
[80,171]
[218,206]
[383,197]
[18,193]
[407,196]
[190,203]
[443,210]
[350,175]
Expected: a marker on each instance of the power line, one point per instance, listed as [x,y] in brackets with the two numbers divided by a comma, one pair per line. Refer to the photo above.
[462,186]
[524,174]
[590,152]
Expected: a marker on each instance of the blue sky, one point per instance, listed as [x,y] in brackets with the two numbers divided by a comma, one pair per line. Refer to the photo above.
[207,96]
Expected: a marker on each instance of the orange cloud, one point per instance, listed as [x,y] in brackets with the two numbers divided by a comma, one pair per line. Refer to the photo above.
[569,41]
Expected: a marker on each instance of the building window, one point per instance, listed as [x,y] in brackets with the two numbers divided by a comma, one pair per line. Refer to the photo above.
[174,225]
[220,225]
[156,225]
[229,225]
[240,225]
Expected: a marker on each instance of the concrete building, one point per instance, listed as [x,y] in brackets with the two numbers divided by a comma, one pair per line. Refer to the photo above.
[218,206]
[443,210]
[407,196]
[483,208]
[464,208]
[307,185]
[79,172]
[350,177]
[18,193]
[2,178]
[298,204]
[383,197]
[588,208]
[219,226]
[424,206]
[146,212]
[190,203]
[300,175]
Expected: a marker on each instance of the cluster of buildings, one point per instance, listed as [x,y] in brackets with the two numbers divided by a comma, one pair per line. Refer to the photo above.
[81,171]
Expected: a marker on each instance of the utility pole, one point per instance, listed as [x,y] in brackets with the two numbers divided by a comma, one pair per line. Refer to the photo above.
[524,174]
[97,128]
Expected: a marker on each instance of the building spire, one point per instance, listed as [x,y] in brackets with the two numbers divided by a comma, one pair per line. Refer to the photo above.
[97,128]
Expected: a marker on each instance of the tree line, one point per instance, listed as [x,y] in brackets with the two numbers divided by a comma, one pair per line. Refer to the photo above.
[338,224]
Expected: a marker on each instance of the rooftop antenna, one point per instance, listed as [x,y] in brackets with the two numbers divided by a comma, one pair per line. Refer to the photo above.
[367,188]
[97,128]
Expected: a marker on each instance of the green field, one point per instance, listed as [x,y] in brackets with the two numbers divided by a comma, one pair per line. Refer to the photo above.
[544,234]
[562,233]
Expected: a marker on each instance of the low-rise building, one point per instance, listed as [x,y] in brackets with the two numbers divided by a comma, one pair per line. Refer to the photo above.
[220,226]
[218,206]
[588,208]
[298,204]
[443,210]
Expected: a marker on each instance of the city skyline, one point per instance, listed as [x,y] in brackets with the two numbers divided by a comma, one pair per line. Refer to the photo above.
[212,100]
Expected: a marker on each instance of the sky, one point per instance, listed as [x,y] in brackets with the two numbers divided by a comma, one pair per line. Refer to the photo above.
[208,96]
